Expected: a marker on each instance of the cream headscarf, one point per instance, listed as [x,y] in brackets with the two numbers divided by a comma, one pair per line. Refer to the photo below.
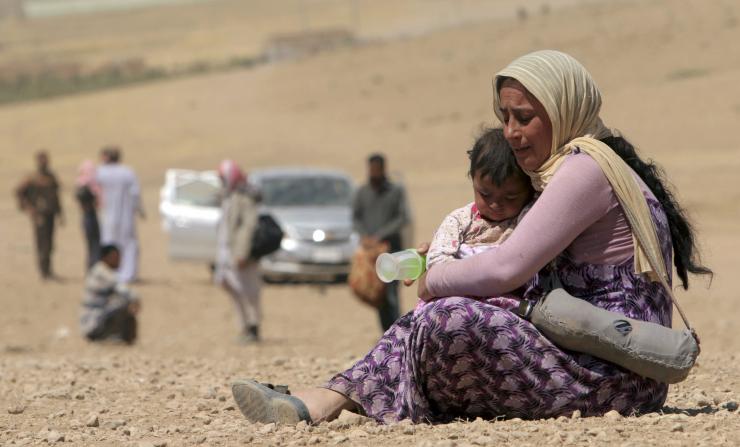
[572,101]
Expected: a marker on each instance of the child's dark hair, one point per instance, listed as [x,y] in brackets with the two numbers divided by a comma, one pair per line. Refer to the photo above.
[491,157]
[105,250]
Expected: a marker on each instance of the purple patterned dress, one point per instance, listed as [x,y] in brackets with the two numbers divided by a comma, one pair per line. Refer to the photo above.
[464,358]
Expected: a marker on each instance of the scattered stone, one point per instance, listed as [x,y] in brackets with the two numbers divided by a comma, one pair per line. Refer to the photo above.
[677,428]
[160,443]
[54,437]
[267,428]
[408,430]
[710,426]
[92,420]
[16,409]
[214,434]
[576,414]
[358,434]
[314,440]
[114,424]
[483,440]
[340,439]
[205,420]
[200,439]
[279,361]
[702,399]
[348,419]
[731,405]
[210,394]
[301,426]
[613,415]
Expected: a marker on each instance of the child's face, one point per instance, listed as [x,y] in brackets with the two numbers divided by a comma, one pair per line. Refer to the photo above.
[503,202]
[113,259]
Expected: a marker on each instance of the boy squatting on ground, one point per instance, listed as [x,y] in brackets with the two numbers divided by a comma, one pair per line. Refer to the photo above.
[109,308]
[503,194]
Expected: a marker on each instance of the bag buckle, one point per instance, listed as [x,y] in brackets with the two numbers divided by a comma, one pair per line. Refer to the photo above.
[525,309]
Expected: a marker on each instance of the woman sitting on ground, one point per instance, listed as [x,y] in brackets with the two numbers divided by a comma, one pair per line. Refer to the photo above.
[462,357]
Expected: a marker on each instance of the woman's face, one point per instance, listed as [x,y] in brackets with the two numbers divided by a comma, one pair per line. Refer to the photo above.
[527,127]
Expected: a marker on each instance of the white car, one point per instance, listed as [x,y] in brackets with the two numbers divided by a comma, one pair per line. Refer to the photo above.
[312,206]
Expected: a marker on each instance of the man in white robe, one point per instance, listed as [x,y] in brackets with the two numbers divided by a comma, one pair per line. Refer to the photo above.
[121,201]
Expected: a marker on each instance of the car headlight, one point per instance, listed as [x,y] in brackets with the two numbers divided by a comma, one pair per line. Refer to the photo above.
[318,236]
[288,244]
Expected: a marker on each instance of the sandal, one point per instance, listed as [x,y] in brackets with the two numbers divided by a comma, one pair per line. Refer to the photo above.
[282,389]
[267,403]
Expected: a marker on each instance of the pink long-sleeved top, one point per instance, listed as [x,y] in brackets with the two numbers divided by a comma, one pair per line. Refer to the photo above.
[577,213]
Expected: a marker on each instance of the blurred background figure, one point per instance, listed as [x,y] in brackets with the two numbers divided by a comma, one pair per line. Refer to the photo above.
[121,201]
[379,214]
[38,195]
[109,307]
[235,270]
[87,195]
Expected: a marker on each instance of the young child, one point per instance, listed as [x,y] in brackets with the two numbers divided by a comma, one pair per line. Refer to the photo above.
[109,308]
[502,195]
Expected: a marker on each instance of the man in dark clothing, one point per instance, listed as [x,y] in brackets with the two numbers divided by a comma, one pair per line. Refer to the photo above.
[379,214]
[38,195]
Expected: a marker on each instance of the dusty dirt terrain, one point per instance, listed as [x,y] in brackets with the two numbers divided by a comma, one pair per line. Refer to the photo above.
[669,74]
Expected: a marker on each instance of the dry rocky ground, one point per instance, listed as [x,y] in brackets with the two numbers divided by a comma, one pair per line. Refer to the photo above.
[668,71]
[120,397]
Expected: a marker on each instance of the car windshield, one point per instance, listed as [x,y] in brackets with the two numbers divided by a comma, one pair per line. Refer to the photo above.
[198,193]
[306,191]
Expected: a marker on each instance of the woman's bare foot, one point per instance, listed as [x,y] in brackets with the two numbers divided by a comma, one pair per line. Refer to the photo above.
[324,404]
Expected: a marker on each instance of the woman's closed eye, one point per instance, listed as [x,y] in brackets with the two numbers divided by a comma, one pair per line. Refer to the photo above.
[523,118]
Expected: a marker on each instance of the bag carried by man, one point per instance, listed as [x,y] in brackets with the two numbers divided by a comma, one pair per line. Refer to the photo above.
[363,281]
[266,238]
